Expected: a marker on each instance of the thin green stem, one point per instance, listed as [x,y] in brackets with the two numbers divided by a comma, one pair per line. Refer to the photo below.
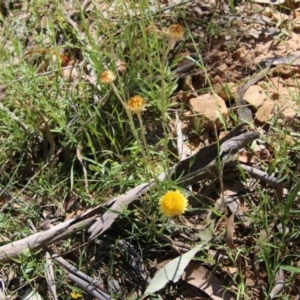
[133,129]
[143,136]
[139,115]
[163,97]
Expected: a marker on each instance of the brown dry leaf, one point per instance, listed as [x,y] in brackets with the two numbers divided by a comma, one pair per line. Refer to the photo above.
[74,214]
[251,280]
[230,231]
[231,270]
[69,201]
[246,157]
[203,279]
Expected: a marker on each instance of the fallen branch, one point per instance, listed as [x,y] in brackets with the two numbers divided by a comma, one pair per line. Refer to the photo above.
[264,176]
[90,285]
[89,288]
[43,238]
[50,277]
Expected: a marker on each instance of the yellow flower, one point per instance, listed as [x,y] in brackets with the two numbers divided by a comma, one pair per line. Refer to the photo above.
[136,104]
[176,32]
[107,77]
[173,203]
[75,295]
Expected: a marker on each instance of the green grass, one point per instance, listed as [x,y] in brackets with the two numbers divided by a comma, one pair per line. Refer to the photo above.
[54,128]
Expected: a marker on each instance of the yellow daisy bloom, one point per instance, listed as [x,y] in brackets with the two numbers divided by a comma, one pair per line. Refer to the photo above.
[136,104]
[176,32]
[75,295]
[173,203]
[107,77]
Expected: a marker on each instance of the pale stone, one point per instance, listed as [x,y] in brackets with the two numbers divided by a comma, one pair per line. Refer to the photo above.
[208,107]
[255,96]
[287,108]
[264,113]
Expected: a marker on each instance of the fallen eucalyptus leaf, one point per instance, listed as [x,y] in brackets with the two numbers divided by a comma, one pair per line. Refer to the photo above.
[172,271]
[207,233]
[31,295]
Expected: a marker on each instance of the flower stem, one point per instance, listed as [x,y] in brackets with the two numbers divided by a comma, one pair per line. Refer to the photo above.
[143,136]
[139,115]
[133,129]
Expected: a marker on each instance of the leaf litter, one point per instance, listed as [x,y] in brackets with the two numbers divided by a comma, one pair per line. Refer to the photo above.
[246,42]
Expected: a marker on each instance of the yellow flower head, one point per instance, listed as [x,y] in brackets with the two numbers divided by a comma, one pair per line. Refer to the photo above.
[136,104]
[176,32]
[173,203]
[75,295]
[107,77]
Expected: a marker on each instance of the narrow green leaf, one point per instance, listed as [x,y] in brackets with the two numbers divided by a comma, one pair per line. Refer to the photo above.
[290,268]
[290,201]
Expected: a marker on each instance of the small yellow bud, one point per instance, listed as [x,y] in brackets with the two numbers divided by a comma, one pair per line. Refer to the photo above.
[136,104]
[107,77]
[75,295]
[176,32]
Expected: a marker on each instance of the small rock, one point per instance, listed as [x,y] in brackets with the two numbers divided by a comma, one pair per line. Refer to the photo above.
[255,96]
[208,107]
[285,70]
[287,108]
[264,113]
[286,103]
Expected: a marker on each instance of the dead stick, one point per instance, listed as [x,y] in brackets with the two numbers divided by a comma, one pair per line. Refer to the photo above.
[42,239]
